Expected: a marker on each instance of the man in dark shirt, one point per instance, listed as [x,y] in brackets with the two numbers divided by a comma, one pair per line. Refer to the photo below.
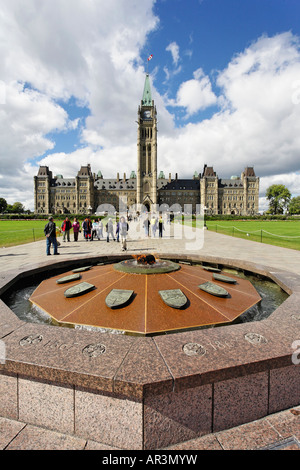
[50,232]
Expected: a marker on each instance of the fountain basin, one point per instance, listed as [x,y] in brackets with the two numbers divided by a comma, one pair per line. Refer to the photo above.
[133,392]
[144,311]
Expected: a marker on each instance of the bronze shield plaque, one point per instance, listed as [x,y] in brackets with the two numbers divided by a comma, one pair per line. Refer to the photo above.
[173,298]
[72,277]
[213,289]
[80,270]
[79,289]
[220,277]
[210,268]
[118,298]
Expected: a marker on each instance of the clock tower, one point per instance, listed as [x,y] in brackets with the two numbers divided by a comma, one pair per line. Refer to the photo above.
[147,150]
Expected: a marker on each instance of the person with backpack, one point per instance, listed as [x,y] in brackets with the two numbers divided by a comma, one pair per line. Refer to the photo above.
[87,229]
[50,233]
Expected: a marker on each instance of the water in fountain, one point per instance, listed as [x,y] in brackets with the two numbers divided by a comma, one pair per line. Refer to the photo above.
[272,295]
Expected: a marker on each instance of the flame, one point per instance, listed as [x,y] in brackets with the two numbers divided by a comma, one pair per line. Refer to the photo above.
[145,259]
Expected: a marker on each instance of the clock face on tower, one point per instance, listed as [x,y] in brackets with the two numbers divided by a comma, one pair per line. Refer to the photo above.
[146,114]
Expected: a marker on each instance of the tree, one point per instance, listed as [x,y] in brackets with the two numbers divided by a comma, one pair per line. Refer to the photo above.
[3,204]
[18,208]
[279,197]
[294,207]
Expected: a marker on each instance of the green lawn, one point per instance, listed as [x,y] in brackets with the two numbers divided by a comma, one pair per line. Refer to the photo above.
[18,232]
[284,233]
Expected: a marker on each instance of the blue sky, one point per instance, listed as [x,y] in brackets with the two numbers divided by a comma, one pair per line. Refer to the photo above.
[209,33]
[225,78]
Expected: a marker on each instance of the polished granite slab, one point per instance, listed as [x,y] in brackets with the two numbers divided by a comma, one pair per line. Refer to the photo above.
[146,312]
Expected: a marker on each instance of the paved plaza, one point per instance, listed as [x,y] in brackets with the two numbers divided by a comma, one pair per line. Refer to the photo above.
[183,240]
[278,431]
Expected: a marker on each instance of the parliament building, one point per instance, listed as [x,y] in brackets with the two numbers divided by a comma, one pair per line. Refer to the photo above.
[145,188]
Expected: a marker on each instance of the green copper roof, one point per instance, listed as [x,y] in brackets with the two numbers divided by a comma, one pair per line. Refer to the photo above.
[147,99]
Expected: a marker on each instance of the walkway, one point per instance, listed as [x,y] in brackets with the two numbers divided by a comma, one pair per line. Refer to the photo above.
[184,240]
[278,431]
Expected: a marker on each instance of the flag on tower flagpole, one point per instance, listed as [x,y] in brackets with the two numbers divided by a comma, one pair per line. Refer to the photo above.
[150,57]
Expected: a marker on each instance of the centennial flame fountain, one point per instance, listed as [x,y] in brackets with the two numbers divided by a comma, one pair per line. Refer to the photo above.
[145,295]
[171,376]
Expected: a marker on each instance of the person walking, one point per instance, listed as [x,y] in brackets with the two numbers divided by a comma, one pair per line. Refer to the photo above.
[76,229]
[160,226]
[95,229]
[66,227]
[100,230]
[50,233]
[123,229]
[146,225]
[110,230]
[153,225]
[87,229]
[118,231]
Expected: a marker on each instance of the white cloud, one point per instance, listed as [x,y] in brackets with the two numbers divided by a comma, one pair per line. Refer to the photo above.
[258,123]
[25,120]
[92,53]
[290,180]
[56,47]
[174,49]
[195,94]
[107,160]
[171,73]
[52,51]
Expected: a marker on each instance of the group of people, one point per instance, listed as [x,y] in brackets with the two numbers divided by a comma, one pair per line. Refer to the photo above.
[90,230]
[96,228]
[151,225]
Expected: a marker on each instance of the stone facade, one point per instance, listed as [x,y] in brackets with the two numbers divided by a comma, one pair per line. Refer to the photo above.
[89,192]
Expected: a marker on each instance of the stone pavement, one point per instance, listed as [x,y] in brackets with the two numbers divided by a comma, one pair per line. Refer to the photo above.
[184,241]
[275,432]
